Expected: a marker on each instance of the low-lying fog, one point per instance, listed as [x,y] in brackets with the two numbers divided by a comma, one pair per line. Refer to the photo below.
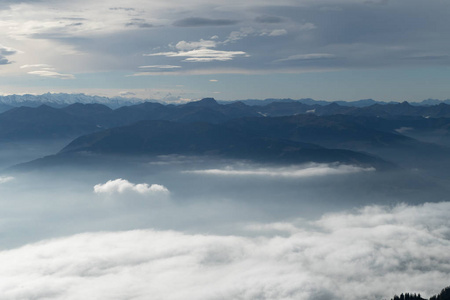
[192,228]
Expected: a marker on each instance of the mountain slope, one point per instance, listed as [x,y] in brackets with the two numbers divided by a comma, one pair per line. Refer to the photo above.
[164,137]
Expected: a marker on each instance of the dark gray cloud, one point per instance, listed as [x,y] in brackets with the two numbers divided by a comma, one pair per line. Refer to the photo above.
[194,22]
[353,35]
[122,8]
[4,61]
[6,51]
[268,19]
[140,24]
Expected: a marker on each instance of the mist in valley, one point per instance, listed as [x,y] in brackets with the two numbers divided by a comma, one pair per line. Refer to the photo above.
[242,229]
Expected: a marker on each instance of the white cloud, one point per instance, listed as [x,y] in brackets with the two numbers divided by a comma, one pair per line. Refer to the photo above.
[214,80]
[202,55]
[160,67]
[372,253]
[309,170]
[235,36]
[35,66]
[52,74]
[4,179]
[121,186]
[274,32]
[183,45]
[278,32]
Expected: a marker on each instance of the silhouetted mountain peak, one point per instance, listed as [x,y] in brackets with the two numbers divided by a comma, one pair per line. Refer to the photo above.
[205,102]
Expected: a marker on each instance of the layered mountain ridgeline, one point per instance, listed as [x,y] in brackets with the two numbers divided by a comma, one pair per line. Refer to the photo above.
[377,136]
[63,99]
[237,130]
[443,295]
[77,119]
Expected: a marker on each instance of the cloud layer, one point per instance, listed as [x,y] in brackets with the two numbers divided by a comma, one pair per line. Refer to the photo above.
[371,253]
[302,171]
[103,44]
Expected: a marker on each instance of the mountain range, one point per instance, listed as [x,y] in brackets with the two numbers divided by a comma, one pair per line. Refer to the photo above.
[283,131]
[59,100]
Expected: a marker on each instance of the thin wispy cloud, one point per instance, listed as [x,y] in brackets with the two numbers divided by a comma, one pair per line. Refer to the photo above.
[35,66]
[160,67]
[309,56]
[52,74]
[203,55]
[196,22]
[303,171]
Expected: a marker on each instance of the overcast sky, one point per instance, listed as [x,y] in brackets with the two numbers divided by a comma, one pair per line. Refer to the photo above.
[175,50]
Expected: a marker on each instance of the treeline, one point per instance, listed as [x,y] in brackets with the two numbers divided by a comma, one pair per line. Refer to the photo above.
[408,296]
[443,295]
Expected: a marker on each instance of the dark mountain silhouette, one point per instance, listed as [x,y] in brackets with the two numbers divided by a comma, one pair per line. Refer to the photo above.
[43,122]
[327,131]
[164,137]
[77,119]
[244,130]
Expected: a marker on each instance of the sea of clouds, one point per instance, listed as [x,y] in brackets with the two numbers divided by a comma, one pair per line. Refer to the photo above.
[369,253]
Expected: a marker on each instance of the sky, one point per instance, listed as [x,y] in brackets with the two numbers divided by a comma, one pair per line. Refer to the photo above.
[184,50]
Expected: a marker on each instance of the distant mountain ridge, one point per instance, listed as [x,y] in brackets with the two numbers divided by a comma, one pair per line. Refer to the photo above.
[77,119]
[59,100]
[329,133]
[63,99]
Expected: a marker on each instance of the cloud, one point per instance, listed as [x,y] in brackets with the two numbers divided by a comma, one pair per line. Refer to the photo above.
[277,32]
[52,74]
[235,36]
[310,56]
[268,19]
[403,130]
[122,8]
[4,179]
[307,26]
[309,170]
[140,24]
[371,253]
[213,80]
[160,67]
[127,94]
[35,66]
[6,51]
[196,22]
[183,45]
[202,55]
[4,61]
[122,186]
